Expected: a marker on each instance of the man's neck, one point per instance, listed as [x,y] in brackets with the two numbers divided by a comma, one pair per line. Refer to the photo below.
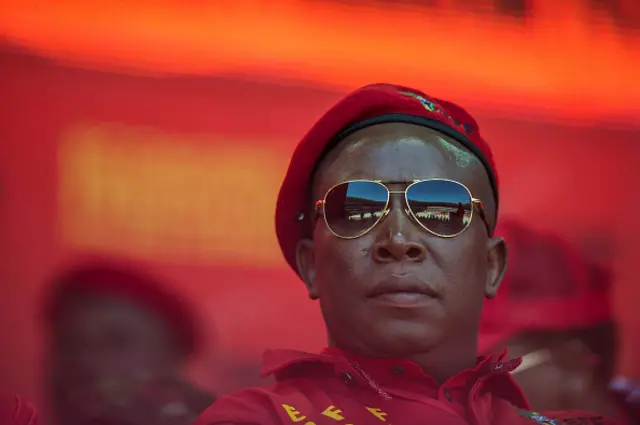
[443,364]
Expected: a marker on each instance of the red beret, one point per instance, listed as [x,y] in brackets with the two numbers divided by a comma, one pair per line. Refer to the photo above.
[124,282]
[367,106]
[549,286]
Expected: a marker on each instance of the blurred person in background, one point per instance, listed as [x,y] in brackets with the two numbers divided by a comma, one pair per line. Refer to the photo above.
[242,374]
[366,216]
[118,342]
[559,321]
[14,410]
[628,389]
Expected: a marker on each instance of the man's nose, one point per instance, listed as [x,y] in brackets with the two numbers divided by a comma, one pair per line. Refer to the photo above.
[397,238]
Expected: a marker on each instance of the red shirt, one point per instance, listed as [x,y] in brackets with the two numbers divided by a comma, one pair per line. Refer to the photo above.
[15,411]
[332,388]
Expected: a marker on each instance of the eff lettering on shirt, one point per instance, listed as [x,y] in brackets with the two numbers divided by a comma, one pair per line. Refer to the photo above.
[331,412]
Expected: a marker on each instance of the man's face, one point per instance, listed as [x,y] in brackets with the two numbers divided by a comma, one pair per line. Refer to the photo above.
[344,274]
[102,346]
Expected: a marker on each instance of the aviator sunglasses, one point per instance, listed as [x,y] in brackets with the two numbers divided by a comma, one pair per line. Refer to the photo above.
[442,207]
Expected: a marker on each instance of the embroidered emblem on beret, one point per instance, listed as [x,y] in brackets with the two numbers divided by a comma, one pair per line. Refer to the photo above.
[435,108]
[429,105]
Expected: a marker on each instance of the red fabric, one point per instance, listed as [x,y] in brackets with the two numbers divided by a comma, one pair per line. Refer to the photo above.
[117,280]
[630,413]
[335,387]
[367,102]
[630,408]
[548,287]
[14,410]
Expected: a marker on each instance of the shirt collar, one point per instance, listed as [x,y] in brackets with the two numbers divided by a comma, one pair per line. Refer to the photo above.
[275,361]
[491,373]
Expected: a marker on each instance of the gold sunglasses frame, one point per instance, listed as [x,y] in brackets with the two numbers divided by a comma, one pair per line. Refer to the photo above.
[319,206]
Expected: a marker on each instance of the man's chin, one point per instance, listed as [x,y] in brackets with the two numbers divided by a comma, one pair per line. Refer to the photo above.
[385,336]
[405,344]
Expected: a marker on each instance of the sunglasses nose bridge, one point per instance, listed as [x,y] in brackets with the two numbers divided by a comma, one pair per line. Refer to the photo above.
[398,201]
[397,214]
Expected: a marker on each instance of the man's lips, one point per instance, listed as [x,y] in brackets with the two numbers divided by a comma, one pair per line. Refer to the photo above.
[404,292]
[403,299]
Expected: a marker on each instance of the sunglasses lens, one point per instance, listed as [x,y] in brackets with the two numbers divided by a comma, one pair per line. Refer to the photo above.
[353,208]
[442,206]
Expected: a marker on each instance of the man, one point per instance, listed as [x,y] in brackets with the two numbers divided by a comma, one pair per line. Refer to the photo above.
[118,342]
[366,217]
[14,410]
[560,322]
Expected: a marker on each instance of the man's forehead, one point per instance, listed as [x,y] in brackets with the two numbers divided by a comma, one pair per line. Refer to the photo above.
[396,152]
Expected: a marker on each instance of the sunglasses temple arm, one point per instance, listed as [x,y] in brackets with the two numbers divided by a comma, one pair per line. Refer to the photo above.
[478,206]
[486,224]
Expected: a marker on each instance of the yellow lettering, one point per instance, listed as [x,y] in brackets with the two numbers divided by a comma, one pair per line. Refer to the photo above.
[333,412]
[293,413]
[310,423]
[378,413]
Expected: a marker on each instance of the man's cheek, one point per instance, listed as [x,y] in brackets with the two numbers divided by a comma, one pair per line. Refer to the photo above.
[336,264]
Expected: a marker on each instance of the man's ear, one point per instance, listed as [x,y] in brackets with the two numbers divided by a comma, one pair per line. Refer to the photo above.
[496,265]
[305,261]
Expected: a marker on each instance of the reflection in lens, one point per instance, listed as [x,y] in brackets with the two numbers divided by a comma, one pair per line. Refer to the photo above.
[355,207]
[442,206]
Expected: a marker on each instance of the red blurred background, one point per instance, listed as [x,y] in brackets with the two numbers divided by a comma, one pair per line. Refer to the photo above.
[160,130]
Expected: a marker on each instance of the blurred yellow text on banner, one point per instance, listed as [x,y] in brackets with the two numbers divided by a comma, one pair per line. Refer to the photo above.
[143,193]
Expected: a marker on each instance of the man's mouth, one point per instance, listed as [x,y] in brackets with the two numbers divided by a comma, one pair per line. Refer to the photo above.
[404,298]
[404,294]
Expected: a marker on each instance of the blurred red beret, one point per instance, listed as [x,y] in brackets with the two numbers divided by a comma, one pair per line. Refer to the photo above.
[367,106]
[549,286]
[110,278]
